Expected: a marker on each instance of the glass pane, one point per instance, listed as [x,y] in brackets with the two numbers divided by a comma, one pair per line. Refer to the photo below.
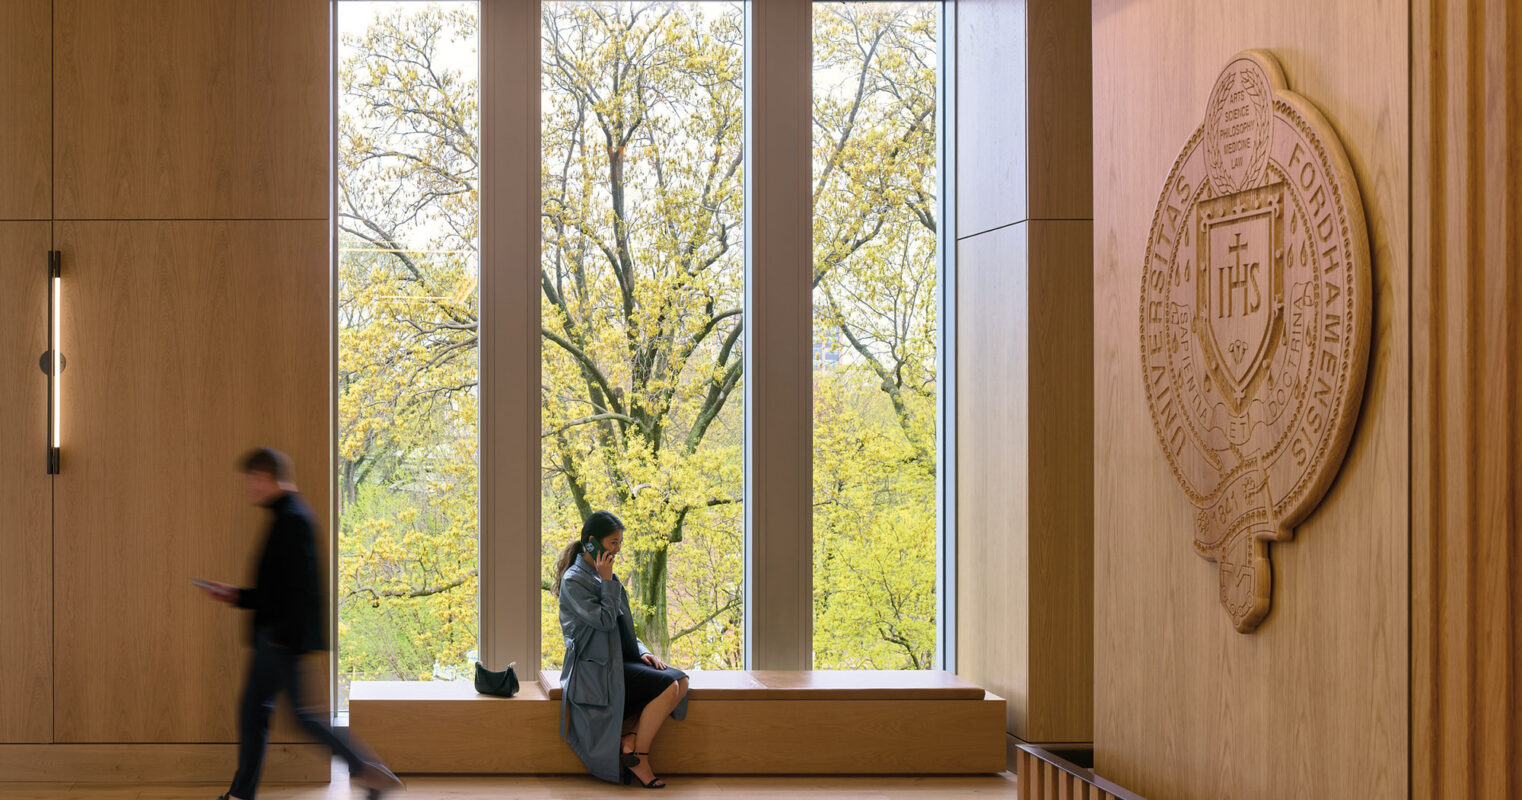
[643,279]
[876,334]
[408,308]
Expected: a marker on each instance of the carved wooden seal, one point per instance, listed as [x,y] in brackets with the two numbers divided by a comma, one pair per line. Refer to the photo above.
[1255,309]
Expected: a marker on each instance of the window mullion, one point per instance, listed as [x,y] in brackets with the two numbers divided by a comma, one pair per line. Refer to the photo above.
[509,334]
[778,354]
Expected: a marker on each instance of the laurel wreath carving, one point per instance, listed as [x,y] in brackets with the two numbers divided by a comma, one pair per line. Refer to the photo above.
[1220,176]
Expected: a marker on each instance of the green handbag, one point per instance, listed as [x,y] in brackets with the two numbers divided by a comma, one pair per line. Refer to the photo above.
[501,684]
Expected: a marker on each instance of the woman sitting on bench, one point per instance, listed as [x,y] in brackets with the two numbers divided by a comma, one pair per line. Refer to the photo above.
[616,693]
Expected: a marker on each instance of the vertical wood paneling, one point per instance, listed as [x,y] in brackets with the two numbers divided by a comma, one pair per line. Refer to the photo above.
[1315,702]
[1039,779]
[1060,167]
[993,528]
[129,766]
[26,109]
[189,343]
[992,157]
[1061,488]
[1025,555]
[26,491]
[1024,363]
[191,109]
[186,344]
[1467,414]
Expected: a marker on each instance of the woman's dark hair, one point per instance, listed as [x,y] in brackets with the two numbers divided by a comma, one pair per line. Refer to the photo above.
[599,525]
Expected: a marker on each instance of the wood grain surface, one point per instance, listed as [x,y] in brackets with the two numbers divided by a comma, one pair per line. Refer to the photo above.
[1024,558]
[26,491]
[1466,427]
[993,490]
[1314,704]
[448,728]
[1061,436]
[191,109]
[190,343]
[26,97]
[813,685]
[992,119]
[555,787]
[135,764]
[1059,127]
[1044,776]
[1024,362]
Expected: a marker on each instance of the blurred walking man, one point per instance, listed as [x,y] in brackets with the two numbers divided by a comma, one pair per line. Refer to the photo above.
[288,621]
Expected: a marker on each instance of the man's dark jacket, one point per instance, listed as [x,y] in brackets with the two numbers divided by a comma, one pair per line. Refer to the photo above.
[287,596]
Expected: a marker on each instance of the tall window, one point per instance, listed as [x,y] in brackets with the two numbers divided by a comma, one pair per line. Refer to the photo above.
[643,336]
[643,279]
[407,172]
[876,334]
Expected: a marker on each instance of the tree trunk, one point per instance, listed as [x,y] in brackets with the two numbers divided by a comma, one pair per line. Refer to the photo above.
[651,624]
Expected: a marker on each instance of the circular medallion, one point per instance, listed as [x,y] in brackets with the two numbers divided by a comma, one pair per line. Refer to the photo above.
[1255,313]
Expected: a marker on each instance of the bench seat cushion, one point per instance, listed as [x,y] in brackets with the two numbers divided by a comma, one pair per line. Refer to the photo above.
[813,685]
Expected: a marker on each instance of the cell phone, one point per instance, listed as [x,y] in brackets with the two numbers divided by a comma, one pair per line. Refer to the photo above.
[593,548]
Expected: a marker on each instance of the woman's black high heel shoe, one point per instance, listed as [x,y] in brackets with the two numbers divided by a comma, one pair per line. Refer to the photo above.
[629,765]
[626,758]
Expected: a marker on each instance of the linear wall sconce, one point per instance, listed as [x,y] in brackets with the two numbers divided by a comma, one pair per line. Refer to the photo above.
[52,361]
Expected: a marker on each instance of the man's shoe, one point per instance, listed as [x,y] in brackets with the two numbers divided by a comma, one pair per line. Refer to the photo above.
[377,779]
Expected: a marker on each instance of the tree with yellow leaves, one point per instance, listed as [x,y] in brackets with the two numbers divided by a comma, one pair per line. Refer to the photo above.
[642,281]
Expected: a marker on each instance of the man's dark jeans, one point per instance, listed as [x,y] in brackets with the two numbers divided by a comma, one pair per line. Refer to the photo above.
[272,670]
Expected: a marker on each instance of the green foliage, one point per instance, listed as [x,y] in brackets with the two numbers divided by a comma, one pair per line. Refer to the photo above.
[876,335]
[643,331]
[407,323]
[643,282]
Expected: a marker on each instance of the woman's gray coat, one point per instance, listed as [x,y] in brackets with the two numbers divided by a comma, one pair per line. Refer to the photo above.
[592,700]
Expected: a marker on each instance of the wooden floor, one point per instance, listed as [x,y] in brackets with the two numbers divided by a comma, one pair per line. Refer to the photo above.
[557,786]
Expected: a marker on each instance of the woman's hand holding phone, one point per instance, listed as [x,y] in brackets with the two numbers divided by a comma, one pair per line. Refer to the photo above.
[604,564]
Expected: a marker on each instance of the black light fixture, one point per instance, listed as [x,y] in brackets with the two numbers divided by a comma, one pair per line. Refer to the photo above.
[52,360]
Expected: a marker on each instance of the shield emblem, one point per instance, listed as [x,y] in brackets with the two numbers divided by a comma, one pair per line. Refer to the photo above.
[1241,287]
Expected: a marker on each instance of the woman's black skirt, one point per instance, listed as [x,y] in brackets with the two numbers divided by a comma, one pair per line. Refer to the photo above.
[643,683]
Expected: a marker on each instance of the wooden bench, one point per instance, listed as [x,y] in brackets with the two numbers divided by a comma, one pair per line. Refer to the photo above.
[738,723]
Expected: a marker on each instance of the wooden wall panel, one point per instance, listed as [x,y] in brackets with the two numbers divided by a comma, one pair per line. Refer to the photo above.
[1467,400]
[1061,579]
[991,115]
[1059,124]
[1025,554]
[26,491]
[1314,704]
[132,765]
[1024,363]
[1020,65]
[191,342]
[993,459]
[26,122]
[191,109]
[447,728]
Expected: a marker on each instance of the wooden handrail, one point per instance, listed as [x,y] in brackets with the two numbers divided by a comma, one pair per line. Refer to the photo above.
[1111,791]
